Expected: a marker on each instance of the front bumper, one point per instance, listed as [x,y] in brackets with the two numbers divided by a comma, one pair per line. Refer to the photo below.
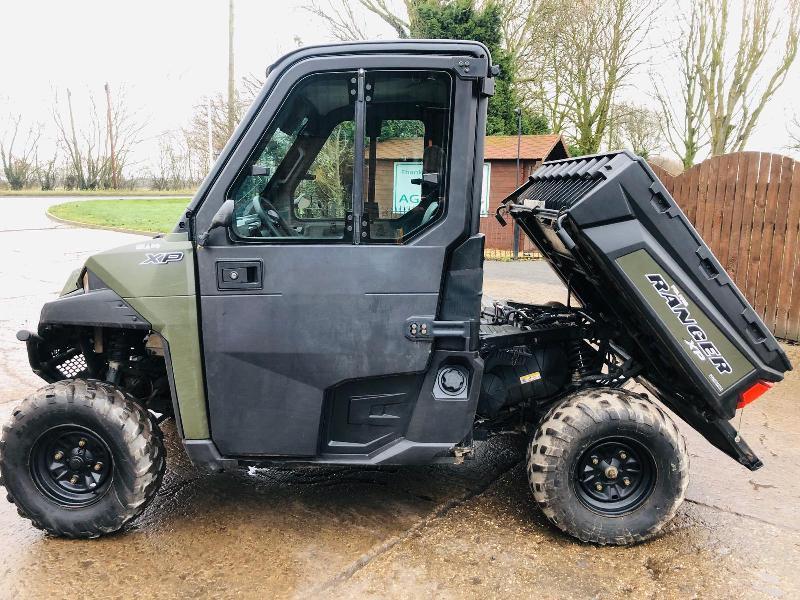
[52,362]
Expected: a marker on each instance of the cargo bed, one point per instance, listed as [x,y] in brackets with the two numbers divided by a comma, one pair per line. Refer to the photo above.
[623,247]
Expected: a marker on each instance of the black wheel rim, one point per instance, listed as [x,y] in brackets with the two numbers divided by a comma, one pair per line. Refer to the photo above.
[72,465]
[614,476]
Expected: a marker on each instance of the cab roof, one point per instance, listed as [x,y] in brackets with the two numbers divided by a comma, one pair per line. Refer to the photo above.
[445,47]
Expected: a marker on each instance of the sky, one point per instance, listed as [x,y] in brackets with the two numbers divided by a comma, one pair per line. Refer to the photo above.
[168,54]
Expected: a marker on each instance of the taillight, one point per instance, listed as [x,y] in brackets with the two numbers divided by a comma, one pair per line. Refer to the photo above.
[753,392]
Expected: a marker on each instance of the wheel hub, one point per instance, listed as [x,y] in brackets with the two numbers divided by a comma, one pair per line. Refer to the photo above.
[614,476]
[71,465]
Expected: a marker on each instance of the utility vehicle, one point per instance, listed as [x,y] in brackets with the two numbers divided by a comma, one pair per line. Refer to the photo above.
[319,304]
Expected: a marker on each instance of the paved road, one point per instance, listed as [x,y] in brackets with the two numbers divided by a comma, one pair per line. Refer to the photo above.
[522,271]
[36,256]
[444,531]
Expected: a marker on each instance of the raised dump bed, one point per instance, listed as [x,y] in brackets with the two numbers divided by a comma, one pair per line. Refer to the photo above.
[622,245]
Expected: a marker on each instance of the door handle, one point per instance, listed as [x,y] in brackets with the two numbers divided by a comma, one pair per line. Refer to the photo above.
[239,275]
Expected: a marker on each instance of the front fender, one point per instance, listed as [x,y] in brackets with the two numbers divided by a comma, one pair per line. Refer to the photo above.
[95,308]
[56,352]
[73,282]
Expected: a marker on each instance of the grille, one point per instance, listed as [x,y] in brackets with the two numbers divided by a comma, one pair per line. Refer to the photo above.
[561,184]
[72,367]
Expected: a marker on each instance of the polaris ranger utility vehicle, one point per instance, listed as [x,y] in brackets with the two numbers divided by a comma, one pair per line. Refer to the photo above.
[320,302]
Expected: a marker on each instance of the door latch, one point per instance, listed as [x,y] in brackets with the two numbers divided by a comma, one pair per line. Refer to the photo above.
[425,329]
[239,275]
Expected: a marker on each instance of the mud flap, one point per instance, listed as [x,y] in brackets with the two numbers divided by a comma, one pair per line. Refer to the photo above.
[718,432]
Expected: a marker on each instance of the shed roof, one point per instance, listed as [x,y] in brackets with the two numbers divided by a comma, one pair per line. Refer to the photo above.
[497,147]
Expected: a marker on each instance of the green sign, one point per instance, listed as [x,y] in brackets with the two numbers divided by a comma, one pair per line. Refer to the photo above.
[406,195]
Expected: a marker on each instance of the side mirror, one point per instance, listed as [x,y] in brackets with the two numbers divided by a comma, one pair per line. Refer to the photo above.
[220,219]
[259,170]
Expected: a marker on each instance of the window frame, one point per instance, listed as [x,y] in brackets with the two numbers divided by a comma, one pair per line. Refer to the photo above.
[441,212]
[357,203]
[242,174]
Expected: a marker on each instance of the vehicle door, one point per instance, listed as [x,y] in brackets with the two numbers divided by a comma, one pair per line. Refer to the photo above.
[348,200]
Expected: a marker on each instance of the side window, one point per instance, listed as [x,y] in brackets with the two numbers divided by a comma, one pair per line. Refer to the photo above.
[326,191]
[406,157]
[297,186]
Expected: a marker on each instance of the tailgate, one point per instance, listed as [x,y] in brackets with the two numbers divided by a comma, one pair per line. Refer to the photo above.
[623,246]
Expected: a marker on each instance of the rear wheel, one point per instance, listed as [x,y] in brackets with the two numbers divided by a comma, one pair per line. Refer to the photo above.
[81,459]
[608,466]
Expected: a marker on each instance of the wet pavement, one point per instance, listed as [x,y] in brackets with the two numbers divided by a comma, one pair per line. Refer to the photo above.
[468,531]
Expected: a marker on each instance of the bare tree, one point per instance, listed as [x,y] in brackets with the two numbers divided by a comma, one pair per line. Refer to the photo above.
[68,138]
[346,24]
[46,172]
[340,19]
[88,147]
[636,128]
[526,32]
[250,87]
[18,167]
[213,110]
[737,82]
[174,169]
[684,117]
[591,51]
[794,134]
[124,132]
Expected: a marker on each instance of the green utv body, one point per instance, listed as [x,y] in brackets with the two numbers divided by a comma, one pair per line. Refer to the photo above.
[316,304]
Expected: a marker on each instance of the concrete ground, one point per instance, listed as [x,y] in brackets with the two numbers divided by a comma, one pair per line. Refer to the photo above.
[469,531]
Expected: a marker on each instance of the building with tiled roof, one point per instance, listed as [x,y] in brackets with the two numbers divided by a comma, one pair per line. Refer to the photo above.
[500,171]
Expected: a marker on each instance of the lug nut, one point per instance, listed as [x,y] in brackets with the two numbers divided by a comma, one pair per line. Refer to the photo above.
[73,480]
[58,455]
[98,466]
[626,481]
[595,460]
[82,443]
[623,456]
[598,487]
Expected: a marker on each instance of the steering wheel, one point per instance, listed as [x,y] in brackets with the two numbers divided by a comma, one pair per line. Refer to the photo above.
[270,218]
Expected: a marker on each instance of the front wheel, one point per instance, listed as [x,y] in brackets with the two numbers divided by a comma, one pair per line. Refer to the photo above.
[608,466]
[81,459]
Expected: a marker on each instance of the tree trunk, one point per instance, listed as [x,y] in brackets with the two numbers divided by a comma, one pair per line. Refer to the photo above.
[111,140]
[80,179]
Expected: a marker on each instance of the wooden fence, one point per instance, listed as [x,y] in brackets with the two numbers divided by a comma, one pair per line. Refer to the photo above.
[746,206]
